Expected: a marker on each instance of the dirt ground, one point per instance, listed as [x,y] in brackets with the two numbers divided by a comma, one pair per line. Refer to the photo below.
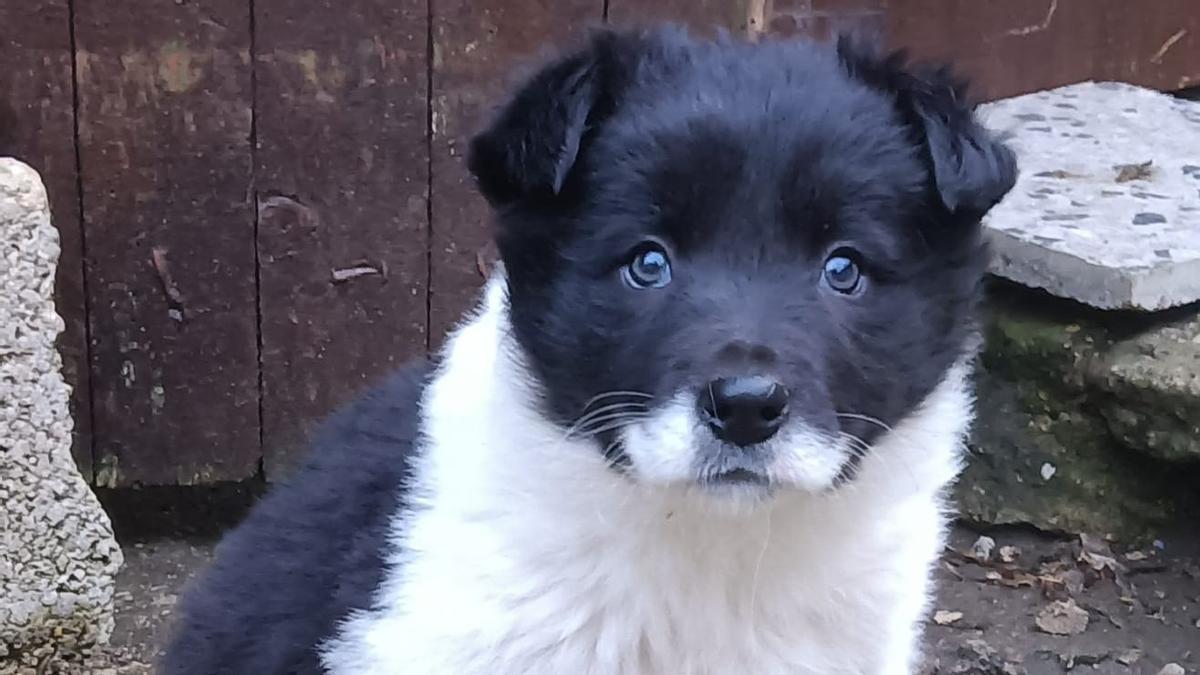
[1032,604]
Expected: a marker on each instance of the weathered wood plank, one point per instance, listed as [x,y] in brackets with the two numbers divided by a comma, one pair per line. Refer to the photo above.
[1008,47]
[165,127]
[37,125]
[703,16]
[342,180]
[825,19]
[1019,46]
[480,46]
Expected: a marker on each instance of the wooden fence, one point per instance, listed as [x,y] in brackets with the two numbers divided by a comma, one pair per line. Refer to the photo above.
[262,203]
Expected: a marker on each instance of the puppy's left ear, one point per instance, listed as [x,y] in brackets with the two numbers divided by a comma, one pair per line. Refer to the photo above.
[970,169]
[534,142]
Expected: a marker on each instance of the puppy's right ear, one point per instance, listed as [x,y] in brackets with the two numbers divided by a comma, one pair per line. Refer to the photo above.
[535,141]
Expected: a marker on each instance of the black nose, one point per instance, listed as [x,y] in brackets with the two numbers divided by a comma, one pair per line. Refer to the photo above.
[744,410]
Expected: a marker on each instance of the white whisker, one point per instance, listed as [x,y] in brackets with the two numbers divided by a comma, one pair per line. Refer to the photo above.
[866,418]
[614,423]
[758,566]
[602,411]
[618,392]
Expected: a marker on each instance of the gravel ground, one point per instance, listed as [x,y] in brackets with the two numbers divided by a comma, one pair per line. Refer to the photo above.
[1033,605]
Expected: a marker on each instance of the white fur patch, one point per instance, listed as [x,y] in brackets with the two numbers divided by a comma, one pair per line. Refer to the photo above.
[662,448]
[525,554]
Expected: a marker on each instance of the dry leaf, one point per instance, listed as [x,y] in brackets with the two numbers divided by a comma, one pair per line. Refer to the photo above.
[1063,618]
[1131,172]
[1012,578]
[1009,554]
[1054,588]
[1057,173]
[1097,554]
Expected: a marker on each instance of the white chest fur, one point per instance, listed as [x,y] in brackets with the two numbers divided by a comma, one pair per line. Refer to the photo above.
[523,554]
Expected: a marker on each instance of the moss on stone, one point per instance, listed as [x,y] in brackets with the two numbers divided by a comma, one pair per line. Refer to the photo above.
[1077,411]
[1061,473]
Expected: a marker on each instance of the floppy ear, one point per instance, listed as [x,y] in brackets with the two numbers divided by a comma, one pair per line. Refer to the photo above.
[970,169]
[535,141]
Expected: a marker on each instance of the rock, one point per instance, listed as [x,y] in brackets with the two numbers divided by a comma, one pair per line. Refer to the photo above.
[1129,657]
[1152,382]
[58,557]
[1101,487]
[944,617]
[980,658]
[1063,617]
[1109,401]
[1076,657]
[1107,207]
[1172,669]
[1048,471]
[982,548]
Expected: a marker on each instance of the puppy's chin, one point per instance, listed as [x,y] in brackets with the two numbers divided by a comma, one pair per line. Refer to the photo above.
[670,447]
[733,497]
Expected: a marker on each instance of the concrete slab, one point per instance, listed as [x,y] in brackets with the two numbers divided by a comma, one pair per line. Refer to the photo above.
[1107,208]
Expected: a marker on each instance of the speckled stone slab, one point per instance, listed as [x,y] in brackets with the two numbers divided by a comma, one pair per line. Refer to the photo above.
[1107,208]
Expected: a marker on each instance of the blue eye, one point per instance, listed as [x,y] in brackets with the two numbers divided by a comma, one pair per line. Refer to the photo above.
[649,268]
[842,273]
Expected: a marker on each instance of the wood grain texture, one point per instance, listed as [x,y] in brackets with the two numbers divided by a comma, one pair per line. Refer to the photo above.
[342,182]
[481,48]
[165,127]
[825,19]
[705,17]
[1019,46]
[37,125]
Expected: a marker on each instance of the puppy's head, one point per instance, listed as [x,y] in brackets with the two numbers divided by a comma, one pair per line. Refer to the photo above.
[737,265]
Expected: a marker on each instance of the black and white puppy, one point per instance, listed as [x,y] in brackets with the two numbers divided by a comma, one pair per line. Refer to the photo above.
[704,416]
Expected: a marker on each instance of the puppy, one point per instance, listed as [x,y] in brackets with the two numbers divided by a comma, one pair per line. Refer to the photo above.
[704,416]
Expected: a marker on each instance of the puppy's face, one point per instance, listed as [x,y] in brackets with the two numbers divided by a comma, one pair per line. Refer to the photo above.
[737,266]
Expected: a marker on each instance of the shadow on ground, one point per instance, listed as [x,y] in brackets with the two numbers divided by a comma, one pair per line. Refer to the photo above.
[1033,605]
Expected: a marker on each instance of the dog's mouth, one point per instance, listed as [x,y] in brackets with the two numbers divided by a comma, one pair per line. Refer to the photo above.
[731,470]
[673,445]
[739,477]
[737,486]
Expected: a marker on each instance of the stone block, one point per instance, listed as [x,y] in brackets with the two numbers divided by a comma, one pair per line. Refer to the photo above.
[58,557]
[1087,420]
[1107,207]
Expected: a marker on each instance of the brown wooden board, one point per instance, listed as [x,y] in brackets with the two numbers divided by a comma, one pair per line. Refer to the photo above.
[702,16]
[342,160]
[1019,46]
[825,19]
[165,125]
[480,49]
[37,125]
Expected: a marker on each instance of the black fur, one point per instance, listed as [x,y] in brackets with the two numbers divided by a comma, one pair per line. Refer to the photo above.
[750,164]
[310,553]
